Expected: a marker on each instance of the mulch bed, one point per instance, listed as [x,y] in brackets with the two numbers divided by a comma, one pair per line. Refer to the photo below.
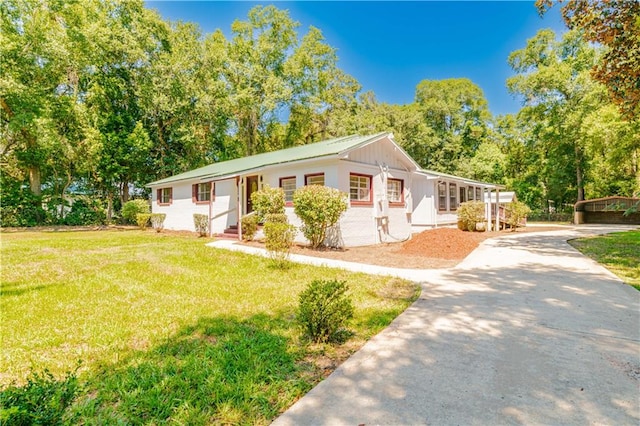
[431,249]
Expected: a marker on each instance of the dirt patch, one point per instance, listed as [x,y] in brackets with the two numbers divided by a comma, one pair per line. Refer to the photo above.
[432,249]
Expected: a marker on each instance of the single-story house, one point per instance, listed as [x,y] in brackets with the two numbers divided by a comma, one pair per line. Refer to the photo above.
[390,196]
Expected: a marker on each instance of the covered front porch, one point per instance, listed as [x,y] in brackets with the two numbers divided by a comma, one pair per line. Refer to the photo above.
[229,201]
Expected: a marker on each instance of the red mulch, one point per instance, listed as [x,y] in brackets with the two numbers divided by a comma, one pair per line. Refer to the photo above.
[435,248]
[444,243]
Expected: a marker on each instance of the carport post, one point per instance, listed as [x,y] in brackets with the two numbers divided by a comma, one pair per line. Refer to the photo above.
[497,228]
[239,189]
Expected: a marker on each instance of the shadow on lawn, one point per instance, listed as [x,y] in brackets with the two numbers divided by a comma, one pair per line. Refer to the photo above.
[220,370]
[17,289]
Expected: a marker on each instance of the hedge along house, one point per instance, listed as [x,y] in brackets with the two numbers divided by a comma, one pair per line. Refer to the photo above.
[390,196]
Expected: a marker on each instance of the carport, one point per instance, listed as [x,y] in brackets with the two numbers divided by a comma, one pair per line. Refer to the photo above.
[609,210]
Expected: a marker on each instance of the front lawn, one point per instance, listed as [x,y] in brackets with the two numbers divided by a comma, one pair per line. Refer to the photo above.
[619,252]
[167,329]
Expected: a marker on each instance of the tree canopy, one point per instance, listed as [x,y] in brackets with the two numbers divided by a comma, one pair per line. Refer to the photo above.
[98,98]
[614,24]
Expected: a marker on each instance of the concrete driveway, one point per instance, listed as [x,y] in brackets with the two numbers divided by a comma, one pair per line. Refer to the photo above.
[526,330]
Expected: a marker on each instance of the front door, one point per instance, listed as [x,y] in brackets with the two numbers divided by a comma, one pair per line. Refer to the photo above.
[252,186]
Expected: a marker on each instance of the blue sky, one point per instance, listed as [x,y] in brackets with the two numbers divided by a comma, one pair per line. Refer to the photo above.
[389,47]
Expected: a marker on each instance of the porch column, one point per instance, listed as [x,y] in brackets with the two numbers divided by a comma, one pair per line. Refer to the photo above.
[211,192]
[239,190]
[497,209]
[486,192]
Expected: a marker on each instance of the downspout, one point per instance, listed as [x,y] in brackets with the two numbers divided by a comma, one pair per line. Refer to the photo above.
[409,208]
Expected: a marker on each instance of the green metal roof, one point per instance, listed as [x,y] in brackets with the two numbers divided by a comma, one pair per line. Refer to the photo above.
[233,167]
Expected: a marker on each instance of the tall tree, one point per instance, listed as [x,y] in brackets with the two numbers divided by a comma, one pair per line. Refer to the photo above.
[124,39]
[613,152]
[184,104]
[458,113]
[523,160]
[554,81]
[44,59]
[255,72]
[319,88]
[616,25]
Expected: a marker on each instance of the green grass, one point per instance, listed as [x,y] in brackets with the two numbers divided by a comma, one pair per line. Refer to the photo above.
[169,330]
[619,252]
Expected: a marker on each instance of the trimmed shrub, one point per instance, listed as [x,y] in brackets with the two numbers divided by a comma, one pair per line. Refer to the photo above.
[42,401]
[318,207]
[157,221]
[470,214]
[142,219]
[278,241]
[249,224]
[268,201]
[324,309]
[201,223]
[131,208]
[515,212]
[276,218]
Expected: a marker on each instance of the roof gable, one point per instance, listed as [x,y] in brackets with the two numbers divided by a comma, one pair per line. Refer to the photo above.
[325,148]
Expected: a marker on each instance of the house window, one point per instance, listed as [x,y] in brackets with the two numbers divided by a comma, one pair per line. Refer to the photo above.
[470,193]
[201,192]
[463,194]
[359,188]
[442,196]
[478,193]
[288,185]
[165,196]
[395,191]
[314,179]
[453,201]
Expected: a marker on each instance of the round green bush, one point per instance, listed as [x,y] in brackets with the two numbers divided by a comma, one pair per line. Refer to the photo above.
[324,309]
[132,208]
[318,207]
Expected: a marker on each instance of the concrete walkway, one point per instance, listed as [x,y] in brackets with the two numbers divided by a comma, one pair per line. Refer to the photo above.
[525,330]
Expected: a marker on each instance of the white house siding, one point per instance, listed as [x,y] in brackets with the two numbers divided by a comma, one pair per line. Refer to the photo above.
[180,211]
[225,206]
[358,225]
[423,193]
[383,152]
[272,177]
[447,218]
[364,225]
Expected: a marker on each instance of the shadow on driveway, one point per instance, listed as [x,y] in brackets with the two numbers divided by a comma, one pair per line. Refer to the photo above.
[525,331]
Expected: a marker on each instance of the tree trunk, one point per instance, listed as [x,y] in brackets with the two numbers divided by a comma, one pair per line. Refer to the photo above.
[636,170]
[579,174]
[109,207]
[124,191]
[252,132]
[34,180]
